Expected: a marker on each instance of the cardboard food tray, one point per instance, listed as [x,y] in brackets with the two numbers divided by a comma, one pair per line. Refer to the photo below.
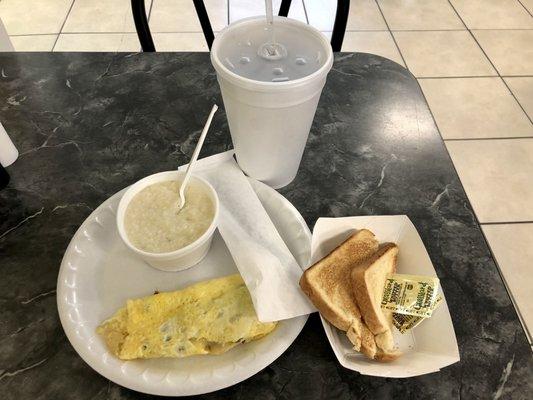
[428,347]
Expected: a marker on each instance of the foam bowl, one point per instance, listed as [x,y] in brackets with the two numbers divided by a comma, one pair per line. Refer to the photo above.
[184,257]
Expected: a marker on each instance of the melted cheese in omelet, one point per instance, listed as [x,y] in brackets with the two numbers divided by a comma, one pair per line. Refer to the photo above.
[209,317]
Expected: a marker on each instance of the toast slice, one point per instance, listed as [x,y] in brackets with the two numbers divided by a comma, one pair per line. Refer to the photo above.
[368,281]
[385,347]
[327,282]
[362,339]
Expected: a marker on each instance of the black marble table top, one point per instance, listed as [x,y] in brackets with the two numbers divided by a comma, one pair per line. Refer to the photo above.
[87,125]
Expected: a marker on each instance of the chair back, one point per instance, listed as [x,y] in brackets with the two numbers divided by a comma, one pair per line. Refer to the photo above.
[147,43]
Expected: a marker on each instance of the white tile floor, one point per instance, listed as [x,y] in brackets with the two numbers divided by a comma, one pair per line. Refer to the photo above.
[473,59]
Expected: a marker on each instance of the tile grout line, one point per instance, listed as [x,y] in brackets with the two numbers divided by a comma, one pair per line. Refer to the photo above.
[506,223]
[34,34]
[361,30]
[63,25]
[430,30]
[394,40]
[364,30]
[100,33]
[517,76]
[122,33]
[489,138]
[474,76]
[461,30]
[457,76]
[150,10]
[491,63]
[195,32]
[525,8]
[519,104]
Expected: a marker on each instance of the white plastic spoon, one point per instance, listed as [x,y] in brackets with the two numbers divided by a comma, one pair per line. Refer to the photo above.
[194,157]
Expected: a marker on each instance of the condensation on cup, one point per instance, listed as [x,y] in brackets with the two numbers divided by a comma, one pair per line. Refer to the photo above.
[271,81]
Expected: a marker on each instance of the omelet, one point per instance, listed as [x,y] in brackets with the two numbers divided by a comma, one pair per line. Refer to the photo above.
[209,317]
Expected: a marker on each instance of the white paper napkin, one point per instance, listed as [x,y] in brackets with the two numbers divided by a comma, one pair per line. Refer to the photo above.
[268,268]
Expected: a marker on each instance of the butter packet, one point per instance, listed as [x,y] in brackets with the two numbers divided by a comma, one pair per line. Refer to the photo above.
[410,294]
[404,322]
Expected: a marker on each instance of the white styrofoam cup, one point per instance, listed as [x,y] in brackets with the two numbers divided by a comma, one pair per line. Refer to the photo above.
[270,121]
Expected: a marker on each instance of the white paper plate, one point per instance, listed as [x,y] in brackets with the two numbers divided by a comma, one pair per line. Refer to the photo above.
[98,274]
[426,348]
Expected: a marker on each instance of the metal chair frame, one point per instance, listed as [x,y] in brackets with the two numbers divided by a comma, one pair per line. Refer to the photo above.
[147,43]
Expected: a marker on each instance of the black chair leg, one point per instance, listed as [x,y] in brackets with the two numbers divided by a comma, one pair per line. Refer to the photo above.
[339,28]
[204,22]
[284,8]
[141,25]
[4,177]
[147,43]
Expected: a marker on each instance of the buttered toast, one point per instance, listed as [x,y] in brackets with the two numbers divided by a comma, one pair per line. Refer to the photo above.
[327,284]
[346,286]
[368,281]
